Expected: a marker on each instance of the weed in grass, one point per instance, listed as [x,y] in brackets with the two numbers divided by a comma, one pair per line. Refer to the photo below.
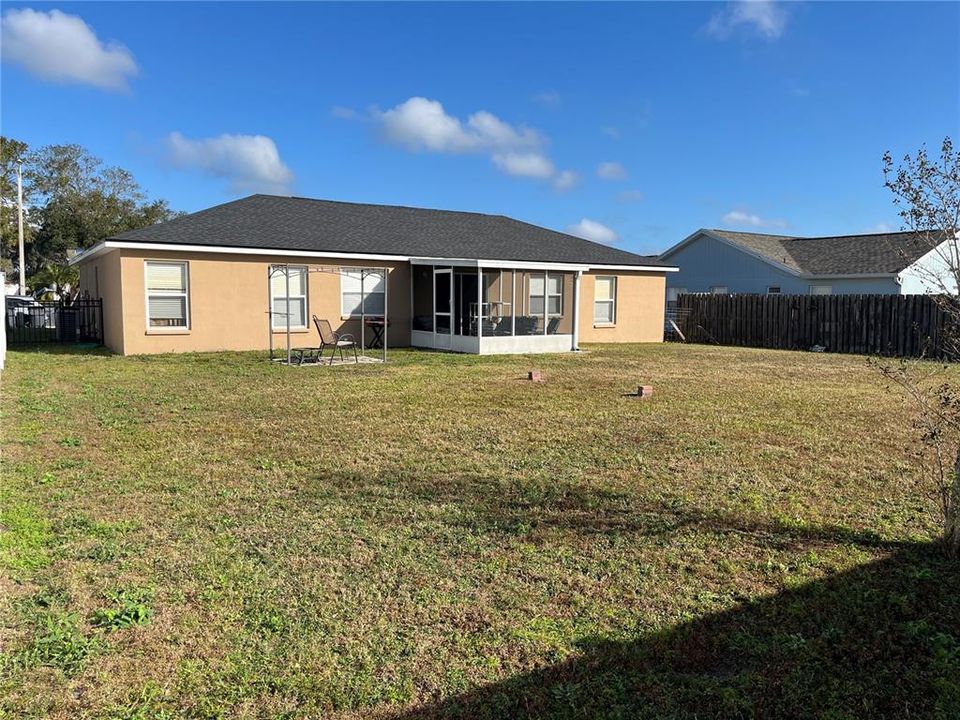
[50,597]
[265,463]
[105,552]
[146,703]
[24,535]
[129,607]
[81,525]
[58,643]
[118,423]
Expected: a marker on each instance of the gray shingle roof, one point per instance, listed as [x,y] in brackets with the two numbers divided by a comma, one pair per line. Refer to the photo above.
[836,255]
[289,223]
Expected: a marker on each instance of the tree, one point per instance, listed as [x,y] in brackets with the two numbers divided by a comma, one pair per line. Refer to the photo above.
[59,279]
[79,202]
[12,154]
[926,192]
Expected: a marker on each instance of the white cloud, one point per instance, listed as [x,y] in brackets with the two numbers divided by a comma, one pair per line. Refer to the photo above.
[343,113]
[492,132]
[630,196]
[532,165]
[423,125]
[882,227]
[611,171]
[63,48]
[565,180]
[737,217]
[763,17]
[592,230]
[745,219]
[250,163]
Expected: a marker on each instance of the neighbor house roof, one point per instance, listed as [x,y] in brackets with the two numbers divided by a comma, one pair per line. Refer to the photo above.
[301,224]
[875,253]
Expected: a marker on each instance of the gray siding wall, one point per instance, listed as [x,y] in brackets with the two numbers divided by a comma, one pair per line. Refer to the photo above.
[706,262]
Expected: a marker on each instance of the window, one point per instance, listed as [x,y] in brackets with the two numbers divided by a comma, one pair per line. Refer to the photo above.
[554,294]
[773,290]
[605,300]
[719,290]
[372,290]
[293,307]
[821,290]
[168,299]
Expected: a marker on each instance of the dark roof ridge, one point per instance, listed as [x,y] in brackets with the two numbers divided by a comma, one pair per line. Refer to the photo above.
[383,205]
[867,234]
[747,232]
[827,237]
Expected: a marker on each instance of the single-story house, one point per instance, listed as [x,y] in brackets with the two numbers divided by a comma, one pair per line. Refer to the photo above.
[723,261]
[231,278]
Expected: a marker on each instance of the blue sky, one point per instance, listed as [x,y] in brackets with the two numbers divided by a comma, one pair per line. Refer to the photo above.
[633,124]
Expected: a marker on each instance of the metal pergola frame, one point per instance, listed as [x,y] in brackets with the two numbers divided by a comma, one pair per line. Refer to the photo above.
[276,269]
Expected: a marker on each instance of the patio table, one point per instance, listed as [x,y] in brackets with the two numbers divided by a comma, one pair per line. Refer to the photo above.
[377,325]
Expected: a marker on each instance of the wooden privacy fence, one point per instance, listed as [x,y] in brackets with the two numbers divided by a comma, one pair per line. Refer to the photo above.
[895,325]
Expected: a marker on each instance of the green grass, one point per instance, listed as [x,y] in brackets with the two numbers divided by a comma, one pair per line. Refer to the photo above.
[213,536]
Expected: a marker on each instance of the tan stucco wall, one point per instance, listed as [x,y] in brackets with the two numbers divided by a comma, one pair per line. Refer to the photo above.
[101,278]
[229,298]
[639,309]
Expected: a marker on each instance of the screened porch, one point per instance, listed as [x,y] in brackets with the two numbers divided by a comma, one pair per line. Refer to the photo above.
[482,309]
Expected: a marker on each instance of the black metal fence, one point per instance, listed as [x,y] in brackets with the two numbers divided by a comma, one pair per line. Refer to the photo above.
[36,322]
[894,325]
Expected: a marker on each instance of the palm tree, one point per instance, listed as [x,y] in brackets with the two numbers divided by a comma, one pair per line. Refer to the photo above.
[57,280]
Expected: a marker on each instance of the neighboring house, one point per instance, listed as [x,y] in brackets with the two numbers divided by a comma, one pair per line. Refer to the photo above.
[723,261]
[216,280]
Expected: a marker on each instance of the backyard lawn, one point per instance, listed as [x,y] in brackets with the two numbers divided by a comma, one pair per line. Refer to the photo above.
[213,536]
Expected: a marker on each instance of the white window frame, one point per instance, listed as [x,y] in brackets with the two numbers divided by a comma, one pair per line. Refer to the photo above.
[279,322]
[366,292]
[611,301]
[813,290]
[773,290]
[546,275]
[169,329]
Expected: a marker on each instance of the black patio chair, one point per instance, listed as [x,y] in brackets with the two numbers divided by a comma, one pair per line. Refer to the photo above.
[502,327]
[526,325]
[337,342]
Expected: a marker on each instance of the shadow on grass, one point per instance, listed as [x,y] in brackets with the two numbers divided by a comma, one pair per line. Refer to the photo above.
[529,508]
[879,641]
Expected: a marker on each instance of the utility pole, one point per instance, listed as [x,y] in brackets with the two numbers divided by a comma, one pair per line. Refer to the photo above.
[23,269]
